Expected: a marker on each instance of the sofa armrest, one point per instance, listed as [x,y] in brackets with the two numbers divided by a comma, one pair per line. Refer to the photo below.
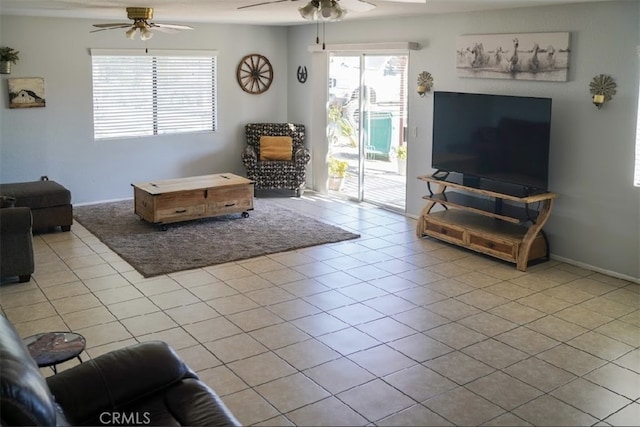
[116,379]
[193,403]
[302,156]
[249,156]
[15,220]
[7,202]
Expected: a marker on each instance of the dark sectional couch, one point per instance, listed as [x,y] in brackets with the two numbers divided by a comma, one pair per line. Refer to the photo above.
[50,202]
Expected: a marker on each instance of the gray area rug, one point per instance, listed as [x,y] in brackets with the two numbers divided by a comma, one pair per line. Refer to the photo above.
[270,228]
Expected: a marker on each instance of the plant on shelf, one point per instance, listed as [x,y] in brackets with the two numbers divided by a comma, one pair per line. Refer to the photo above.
[8,56]
[337,172]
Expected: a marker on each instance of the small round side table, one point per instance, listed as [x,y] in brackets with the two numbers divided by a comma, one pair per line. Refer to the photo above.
[53,348]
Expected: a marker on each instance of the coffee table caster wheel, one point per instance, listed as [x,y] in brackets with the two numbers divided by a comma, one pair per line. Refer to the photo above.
[163,227]
[245,214]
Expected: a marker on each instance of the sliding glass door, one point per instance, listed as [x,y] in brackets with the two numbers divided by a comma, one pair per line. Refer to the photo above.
[366,127]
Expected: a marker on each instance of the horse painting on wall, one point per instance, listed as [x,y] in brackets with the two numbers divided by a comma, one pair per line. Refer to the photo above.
[524,56]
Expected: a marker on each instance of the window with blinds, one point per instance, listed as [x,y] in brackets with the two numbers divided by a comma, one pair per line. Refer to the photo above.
[153,93]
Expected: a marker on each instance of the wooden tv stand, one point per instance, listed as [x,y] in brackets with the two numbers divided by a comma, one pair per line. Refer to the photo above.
[182,199]
[513,232]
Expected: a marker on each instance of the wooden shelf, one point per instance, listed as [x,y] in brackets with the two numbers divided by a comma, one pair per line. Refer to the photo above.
[481,224]
[520,199]
[480,220]
[484,206]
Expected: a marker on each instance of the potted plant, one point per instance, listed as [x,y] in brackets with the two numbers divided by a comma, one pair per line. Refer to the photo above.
[339,127]
[400,153]
[8,56]
[337,172]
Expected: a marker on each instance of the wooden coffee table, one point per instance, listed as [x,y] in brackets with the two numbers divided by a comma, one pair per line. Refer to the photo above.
[182,199]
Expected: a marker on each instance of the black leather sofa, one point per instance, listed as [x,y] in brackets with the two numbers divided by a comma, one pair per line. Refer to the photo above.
[145,384]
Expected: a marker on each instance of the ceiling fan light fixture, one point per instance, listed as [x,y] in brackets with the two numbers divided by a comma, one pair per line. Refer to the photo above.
[331,10]
[131,33]
[338,13]
[309,10]
[326,4]
[145,33]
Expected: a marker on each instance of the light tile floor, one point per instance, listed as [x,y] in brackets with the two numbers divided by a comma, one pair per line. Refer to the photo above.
[387,329]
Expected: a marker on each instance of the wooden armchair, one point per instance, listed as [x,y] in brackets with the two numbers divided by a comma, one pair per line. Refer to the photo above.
[275,156]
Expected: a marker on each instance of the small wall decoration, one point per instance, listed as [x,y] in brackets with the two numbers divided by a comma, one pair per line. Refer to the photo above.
[522,56]
[602,89]
[8,56]
[26,93]
[302,74]
[425,83]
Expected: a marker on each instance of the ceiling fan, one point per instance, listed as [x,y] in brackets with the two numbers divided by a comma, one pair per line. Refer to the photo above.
[332,10]
[141,17]
[324,9]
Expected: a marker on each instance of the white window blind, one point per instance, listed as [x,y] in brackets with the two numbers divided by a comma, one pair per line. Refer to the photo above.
[153,94]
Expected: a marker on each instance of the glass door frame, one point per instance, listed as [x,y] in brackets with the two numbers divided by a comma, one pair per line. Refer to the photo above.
[317,113]
[367,106]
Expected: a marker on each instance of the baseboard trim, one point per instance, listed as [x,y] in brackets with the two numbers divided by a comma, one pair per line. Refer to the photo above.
[102,201]
[587,266]
[596,269]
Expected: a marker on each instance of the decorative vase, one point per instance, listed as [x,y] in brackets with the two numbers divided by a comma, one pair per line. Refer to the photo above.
[402,166]
[5,67]
[335,183]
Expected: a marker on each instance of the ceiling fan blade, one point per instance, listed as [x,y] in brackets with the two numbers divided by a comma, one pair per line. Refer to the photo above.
[118,24]
[111,28]
[171,26]
[263,3]
[165,30]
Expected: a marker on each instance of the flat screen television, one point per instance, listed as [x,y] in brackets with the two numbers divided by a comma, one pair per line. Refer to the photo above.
[503,139]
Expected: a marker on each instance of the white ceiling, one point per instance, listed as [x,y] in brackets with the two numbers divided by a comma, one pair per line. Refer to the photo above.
[283,12]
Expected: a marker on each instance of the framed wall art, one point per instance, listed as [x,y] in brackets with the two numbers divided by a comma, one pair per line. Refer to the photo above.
[26,93]
[520,56]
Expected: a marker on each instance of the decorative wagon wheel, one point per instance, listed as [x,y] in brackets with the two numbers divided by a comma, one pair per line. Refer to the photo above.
[255,74]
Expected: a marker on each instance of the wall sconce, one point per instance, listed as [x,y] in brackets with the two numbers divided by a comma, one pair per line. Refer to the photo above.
[602,89]
[425,83]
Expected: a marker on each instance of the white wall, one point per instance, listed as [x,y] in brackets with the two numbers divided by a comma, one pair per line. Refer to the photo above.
[596,218]
[58,140]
